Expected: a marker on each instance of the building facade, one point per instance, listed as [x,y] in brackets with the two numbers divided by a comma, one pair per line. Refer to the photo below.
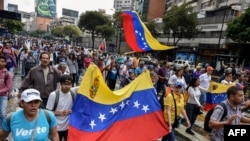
[123,5]
[150,9]
[211,44]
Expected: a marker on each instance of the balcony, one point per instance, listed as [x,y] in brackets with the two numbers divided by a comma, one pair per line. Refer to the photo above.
[215,20]
[229,2]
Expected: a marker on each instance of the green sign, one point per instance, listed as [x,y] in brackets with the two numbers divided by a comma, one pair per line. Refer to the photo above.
[46,8]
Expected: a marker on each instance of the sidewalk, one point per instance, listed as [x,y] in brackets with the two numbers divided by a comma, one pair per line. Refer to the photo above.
[200,134]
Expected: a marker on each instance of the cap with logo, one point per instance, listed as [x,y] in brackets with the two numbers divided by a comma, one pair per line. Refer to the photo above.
[178,84]
[29,95]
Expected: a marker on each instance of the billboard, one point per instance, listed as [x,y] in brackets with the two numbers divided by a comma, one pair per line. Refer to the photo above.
[70,13]
[46,8]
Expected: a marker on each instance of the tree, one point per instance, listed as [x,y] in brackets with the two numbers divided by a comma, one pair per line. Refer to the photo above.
[90,20]
[58,31]
[71,31]
[239,29]
[181,22]
[152,27]
[37,33]
[105,30]
[13,26]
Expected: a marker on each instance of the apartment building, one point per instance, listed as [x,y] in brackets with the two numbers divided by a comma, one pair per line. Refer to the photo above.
[211,44]
[150,9]
[123,5]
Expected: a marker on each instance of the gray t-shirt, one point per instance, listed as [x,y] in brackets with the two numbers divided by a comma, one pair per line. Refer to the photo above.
[217,134]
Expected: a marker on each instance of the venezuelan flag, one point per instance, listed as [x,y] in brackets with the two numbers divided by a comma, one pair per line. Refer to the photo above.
[131,113]
[216,94]
[137,35]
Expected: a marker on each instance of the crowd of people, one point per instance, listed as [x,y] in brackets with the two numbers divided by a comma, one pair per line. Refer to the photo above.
[51,74]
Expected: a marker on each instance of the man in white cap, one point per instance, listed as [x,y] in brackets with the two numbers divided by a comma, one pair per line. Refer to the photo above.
[30,123]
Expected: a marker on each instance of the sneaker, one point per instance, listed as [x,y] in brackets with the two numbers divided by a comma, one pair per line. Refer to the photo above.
[189,131]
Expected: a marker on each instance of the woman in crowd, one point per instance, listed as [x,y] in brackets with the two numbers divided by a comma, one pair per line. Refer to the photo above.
[73,66]
[193,106]
[178,77]
[113,73]
[173,108]
[30,123]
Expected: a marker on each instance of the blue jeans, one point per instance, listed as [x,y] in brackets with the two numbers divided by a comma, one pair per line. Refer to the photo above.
[203,98]
[3,109]
[170,136]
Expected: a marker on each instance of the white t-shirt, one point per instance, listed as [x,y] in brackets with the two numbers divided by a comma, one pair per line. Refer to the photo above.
[65,102]
[194,95]
[204,81]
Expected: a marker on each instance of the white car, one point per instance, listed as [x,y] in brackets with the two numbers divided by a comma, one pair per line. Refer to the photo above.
[181,63]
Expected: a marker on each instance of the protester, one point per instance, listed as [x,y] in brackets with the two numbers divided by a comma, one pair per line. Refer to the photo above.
[131,76]
[73,66]
[64,105]
[205,79]
[174,106]
[5,86]
[28,63]
[30,123]
[193,106]
[42,77]
[234,115]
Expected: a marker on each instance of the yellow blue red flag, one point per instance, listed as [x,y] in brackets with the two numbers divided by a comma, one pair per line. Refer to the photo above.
[127,114]
[217,93]
[137,35]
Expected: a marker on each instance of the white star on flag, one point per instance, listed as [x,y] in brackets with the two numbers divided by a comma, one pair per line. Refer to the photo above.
[145,108]
[113,110]
[122,105]
[142,39]
[136,104]
[92,124]
[102,117]
[136,31]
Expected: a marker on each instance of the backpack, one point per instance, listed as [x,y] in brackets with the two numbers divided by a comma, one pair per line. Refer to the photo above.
[208,115]
[45,112]
[57,99]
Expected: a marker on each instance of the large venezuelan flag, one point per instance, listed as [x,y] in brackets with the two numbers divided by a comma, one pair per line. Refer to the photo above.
[217,93]
[132,113]
[137,35]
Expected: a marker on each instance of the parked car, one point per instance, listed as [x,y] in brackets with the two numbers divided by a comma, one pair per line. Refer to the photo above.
[181,63]
[146,59]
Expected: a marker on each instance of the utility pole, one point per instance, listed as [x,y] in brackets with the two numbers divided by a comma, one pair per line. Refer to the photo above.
[222,25]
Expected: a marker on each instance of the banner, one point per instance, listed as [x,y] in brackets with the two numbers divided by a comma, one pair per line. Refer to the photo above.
[137,35]
[130,113]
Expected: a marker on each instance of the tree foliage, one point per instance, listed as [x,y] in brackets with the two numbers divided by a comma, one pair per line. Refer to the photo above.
[106,30]
[58,31]
[71,31]
[90,20]
[181,22]
[239,29]
[13,26]
[153,28]
[37,33]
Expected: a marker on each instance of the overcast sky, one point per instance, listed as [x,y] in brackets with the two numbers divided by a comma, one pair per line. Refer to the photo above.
[78,5]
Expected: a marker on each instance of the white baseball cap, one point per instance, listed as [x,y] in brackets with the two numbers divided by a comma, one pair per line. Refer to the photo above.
[30,95]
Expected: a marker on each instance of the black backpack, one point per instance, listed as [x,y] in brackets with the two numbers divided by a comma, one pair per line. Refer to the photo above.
[208,115]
